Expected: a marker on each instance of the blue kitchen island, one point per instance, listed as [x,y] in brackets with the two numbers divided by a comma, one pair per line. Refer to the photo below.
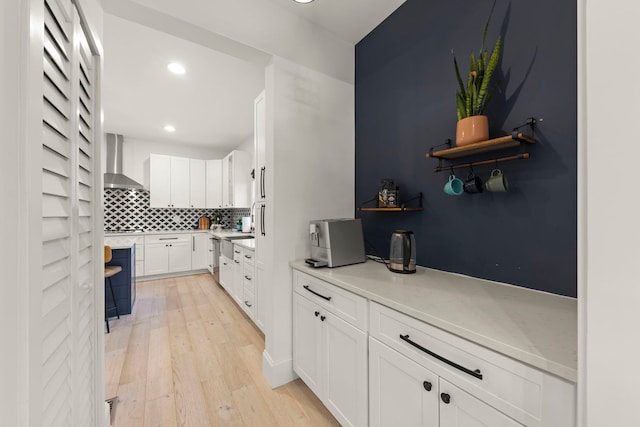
[124,283]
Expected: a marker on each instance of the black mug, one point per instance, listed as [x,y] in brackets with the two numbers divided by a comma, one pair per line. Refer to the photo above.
[473,184]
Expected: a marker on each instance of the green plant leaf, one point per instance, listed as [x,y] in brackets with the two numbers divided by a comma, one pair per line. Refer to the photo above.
[458,78]
[472,99]
[491,68]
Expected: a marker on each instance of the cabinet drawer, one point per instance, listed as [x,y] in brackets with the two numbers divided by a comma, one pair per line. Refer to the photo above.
[248,303]
[512,387]
[238,254]
[248,257]
[350,307]
[247,273]
[167,238]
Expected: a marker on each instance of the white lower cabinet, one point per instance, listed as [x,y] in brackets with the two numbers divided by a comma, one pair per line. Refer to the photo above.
[402,392]
[460,409]
[372,365]
[226,273]
[476,386]
[329,352]
[406,394]
[238,276]
[200,255]
[170,253]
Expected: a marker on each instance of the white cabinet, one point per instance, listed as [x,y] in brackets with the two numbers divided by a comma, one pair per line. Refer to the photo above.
[238,271]
[236,180]
[248,300]
[197,183]
[169,184]
[167,253]
[214,184]
[460,409]
[239,279]
[475,386]
[330,348]
[226,273]
[402,392]
[405,393]
[200,255]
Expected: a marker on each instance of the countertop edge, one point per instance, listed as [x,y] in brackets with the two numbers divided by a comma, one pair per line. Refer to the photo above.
[555,368]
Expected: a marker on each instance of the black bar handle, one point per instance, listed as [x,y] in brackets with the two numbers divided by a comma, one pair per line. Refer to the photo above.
[262,209]
[263,193]
[247,304]
[477,374]
[168,238]
[317,294]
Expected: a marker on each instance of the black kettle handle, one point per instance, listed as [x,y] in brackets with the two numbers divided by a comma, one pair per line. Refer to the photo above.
[406,243]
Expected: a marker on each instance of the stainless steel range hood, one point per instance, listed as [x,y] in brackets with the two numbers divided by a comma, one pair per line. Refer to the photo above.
[113,177]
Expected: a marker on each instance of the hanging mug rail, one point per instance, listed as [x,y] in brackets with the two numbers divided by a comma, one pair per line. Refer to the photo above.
[521,156]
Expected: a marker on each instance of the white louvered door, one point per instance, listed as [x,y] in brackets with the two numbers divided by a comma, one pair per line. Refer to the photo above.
[68,253]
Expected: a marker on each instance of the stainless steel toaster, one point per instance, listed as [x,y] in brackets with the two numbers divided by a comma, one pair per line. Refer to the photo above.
[336,242]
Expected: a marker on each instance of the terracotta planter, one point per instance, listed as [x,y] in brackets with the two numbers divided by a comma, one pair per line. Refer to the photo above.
[472,129]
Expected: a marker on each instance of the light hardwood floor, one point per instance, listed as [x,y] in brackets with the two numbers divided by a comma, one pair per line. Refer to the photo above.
[188,356]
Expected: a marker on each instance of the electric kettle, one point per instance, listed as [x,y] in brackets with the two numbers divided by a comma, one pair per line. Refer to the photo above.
[402,254]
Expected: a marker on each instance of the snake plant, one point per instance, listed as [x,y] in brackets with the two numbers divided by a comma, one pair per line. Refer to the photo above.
[472,99]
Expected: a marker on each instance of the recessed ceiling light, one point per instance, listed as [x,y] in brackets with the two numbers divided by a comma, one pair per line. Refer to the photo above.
[169,128]
[176,68]
[303,1]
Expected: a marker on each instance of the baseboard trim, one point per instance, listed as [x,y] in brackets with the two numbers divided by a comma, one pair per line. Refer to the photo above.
[277,374]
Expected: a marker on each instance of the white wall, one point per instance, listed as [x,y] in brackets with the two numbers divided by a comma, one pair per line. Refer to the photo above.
[609,214]
[311,155]
[13,369]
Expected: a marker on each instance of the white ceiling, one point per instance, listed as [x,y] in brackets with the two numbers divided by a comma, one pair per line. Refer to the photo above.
[212,104]
[350,20]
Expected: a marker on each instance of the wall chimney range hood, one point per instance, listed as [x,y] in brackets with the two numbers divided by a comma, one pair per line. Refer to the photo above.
[113,177]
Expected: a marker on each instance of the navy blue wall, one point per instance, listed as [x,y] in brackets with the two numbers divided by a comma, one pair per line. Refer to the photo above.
[405,103]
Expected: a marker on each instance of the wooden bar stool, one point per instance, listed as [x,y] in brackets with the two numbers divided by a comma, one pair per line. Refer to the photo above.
[110,271]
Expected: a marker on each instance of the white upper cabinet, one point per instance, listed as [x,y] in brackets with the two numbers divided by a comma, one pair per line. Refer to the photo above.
[177,182]
[160,181]
[197,182]
[169,184]
[236,180]
[214,184]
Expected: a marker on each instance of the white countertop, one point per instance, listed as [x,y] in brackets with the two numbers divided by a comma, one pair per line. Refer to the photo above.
[225,233]
[121,242]
[534,327]
[148,233]
[246,243]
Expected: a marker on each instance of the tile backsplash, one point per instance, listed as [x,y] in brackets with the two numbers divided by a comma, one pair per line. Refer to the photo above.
[129,210]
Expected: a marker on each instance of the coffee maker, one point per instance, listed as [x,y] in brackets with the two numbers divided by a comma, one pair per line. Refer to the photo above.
[402,253]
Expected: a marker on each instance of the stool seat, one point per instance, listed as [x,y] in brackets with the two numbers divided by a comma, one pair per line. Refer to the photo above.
[112,270]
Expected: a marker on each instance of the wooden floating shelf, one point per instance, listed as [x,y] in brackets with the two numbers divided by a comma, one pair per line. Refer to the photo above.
[483,147]
[391,209]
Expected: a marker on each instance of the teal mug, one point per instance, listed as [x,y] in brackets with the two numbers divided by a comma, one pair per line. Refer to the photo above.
[454,187]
